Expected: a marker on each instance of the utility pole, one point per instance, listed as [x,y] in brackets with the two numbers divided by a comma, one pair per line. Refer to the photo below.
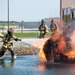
[3,27]
[61,9]
[8,14]
[21,26]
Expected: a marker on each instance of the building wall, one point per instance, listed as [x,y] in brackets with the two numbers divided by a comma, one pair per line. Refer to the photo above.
[64,6]
[68,3]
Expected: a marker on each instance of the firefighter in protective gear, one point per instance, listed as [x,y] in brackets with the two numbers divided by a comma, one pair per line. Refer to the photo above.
[53,26]
[8,43]
[43,29]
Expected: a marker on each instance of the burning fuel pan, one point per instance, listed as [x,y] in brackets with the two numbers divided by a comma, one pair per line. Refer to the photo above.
[58,49]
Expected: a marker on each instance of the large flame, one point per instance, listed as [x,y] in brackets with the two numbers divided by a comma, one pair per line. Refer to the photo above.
[42,55]
[39,44]
[70,54]
[62,43]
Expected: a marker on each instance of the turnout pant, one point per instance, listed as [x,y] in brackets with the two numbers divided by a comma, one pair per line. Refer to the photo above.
[3,50]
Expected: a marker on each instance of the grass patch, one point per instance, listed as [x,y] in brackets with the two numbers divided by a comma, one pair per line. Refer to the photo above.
[28,35]
[25,35]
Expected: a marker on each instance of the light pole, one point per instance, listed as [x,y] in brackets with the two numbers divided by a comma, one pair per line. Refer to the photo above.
[8,14]
[21,26]
[61,9]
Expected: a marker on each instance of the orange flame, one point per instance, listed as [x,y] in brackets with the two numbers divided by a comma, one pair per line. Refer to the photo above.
[39,44]
[63,41]
[64,44]
[70,54]
[42,55]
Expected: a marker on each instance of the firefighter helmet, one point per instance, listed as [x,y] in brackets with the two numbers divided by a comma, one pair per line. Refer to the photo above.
[10,31]
[42,21]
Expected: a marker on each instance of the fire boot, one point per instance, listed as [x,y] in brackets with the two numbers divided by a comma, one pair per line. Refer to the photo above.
[1,57]
[14,57]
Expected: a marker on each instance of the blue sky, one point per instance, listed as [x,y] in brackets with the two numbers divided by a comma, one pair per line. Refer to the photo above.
[29,10]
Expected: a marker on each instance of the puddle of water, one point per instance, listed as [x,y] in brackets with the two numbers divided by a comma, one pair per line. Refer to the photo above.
[31,65]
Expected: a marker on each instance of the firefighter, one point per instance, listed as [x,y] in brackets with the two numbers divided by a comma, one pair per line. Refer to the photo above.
[8,43]
[43,29]
[53,26]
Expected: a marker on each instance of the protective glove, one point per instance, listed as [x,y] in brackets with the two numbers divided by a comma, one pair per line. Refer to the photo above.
[16,39]
[19,39]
